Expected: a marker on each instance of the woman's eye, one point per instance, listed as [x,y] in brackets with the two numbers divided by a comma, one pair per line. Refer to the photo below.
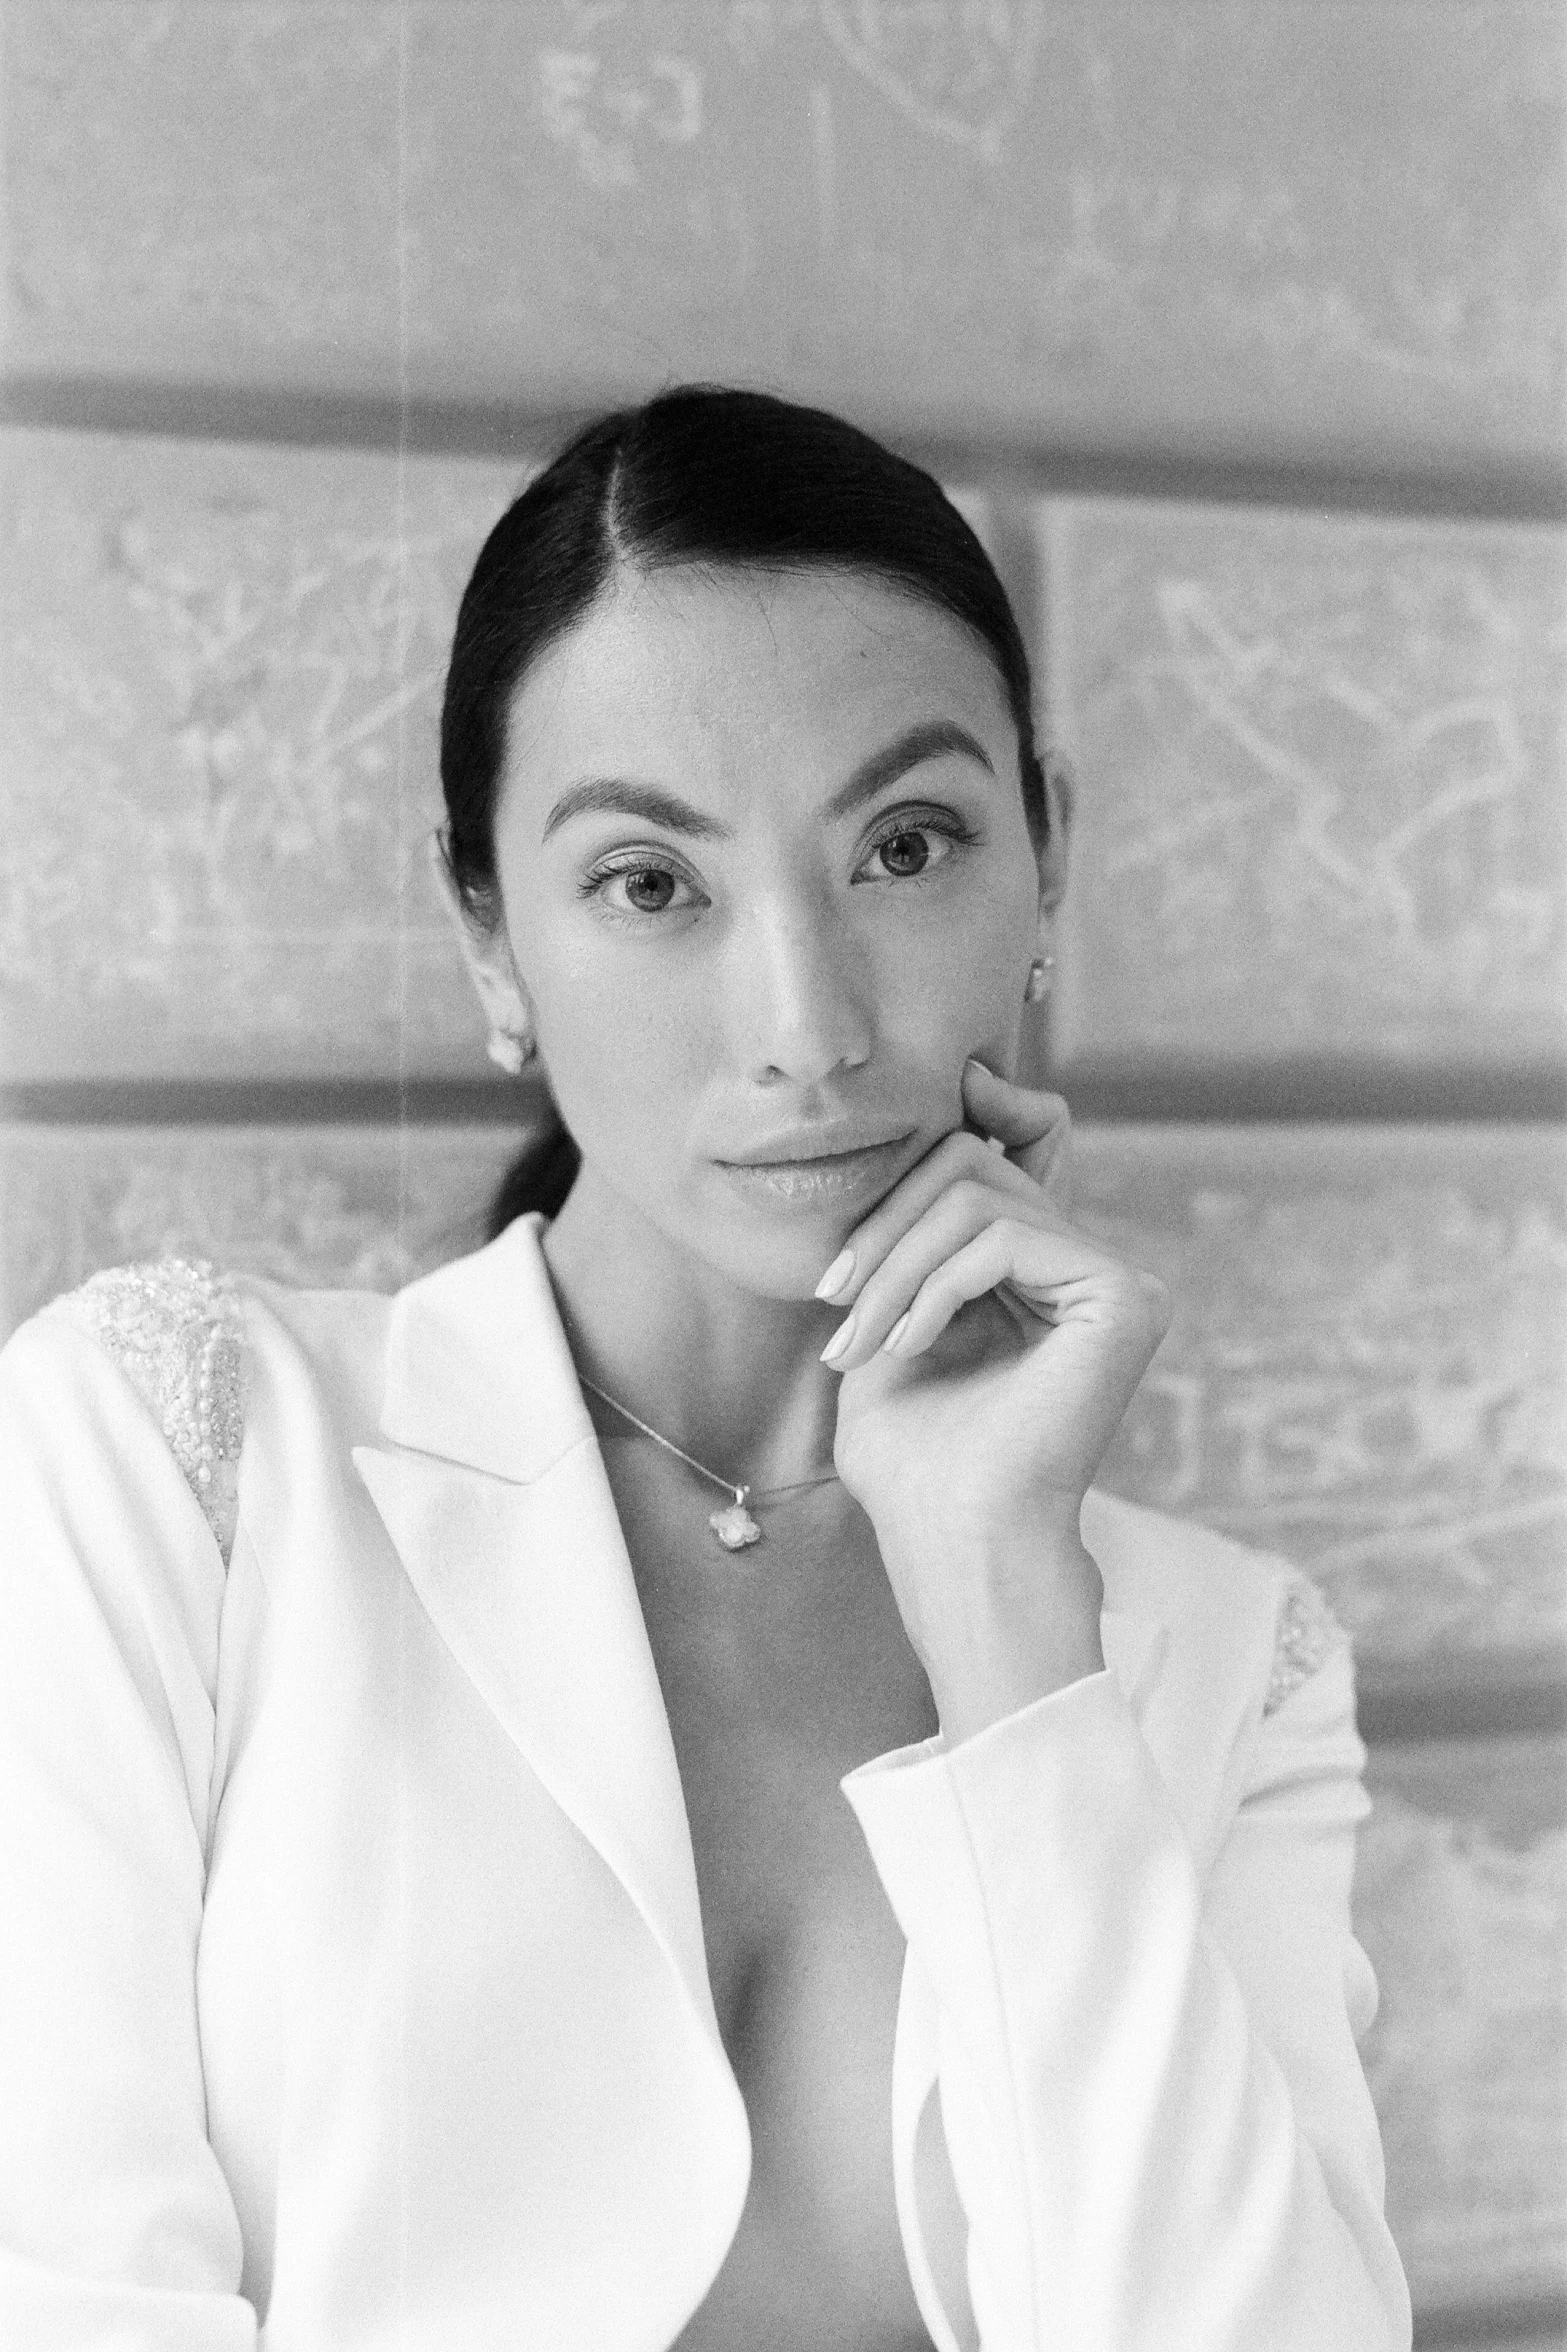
[904,853]
[911,850]
[642,890]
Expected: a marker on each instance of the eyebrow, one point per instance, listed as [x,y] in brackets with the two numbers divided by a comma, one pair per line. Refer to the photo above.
[615,795]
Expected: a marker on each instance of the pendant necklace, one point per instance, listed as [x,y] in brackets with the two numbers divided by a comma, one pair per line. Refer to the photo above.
[734,1527]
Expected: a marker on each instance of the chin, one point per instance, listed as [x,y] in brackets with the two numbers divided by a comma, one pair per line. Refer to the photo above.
[775,1229]
[769,1264]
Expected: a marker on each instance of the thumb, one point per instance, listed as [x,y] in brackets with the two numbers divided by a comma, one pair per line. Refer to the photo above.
[1033,1126]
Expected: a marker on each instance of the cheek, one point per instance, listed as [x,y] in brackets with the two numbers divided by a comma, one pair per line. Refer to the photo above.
[620,1044]
[956,991]
[961,978]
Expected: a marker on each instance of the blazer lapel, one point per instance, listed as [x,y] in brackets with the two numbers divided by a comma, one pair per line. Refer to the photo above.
[494,1492]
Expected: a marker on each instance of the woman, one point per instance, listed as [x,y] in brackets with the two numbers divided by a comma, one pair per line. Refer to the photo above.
[436,1915]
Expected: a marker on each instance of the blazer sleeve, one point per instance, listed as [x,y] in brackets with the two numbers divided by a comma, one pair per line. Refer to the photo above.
[1154,2106]
[117,2227]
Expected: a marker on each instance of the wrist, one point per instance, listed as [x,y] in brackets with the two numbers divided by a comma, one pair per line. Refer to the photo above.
[1015,1626]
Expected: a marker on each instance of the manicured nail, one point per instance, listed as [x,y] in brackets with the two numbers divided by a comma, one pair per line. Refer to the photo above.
[840,1341]
[837,1275]
[894,1339]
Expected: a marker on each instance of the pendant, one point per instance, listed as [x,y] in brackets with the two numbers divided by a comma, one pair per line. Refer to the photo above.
[735,1527]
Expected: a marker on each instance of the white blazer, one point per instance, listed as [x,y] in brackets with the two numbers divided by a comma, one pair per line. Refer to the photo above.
[352,1984]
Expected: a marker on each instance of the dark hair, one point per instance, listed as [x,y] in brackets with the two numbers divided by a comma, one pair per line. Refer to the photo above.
[701,475]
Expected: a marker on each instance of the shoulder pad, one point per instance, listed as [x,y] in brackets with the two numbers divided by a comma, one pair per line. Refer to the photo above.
[1307,1631]
[174,1328]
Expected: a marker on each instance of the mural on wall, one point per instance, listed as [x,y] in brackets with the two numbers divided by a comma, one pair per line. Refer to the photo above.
[1321,786]
[1365,1372]
[223,669]
[320,1207]
[1098,226]
[1461,1906]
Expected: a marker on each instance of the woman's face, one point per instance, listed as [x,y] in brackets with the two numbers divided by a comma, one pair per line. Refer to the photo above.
[768,882]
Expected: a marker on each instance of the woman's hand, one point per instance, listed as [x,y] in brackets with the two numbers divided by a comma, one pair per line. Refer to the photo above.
[989,1356]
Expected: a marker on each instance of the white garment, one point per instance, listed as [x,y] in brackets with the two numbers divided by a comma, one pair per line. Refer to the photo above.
[352,1971]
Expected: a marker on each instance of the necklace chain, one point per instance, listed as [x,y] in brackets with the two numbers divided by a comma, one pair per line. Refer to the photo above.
[742,1494]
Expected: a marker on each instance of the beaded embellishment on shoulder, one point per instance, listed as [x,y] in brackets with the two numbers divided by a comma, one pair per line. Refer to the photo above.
[174,1327]
[1307,1631]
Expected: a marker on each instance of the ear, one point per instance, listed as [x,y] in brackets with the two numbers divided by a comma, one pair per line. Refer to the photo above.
[486,953]
[1052,857]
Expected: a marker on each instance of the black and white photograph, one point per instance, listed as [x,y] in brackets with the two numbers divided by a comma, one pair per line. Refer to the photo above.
[783,1210]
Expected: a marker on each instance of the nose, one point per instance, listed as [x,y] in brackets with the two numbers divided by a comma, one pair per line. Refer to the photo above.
[799,996]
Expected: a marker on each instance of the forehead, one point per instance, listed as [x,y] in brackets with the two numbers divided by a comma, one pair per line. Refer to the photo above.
[689,663]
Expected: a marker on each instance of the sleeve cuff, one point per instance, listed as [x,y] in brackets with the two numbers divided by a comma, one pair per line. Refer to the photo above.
[1066,1787]
[1019,1724]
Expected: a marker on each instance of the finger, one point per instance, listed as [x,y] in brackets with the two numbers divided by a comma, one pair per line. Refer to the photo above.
[1020,1115]
[982,1266]
[1034,1126]
[956,1155]
[1050,1164]
[1053,1273]
[966,1207]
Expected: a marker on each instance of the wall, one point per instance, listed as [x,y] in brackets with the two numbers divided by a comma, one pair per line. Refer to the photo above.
[1239,328]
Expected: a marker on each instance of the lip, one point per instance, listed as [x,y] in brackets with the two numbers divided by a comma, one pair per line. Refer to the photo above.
[817,1178]
[803,1144]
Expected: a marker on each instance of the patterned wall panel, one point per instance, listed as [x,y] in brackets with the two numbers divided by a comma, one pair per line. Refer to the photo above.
[353,1207]
[1365,1372]
[1461,1903]
[1199,227]
[222,672]
[1320,786]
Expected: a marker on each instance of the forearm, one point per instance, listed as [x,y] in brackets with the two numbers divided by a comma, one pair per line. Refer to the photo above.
[1017,1616]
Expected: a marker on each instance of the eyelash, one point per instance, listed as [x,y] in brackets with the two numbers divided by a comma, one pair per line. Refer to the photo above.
[943,822]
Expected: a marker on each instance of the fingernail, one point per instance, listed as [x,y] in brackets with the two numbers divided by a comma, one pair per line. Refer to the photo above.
[840,1341]
[837,1275]
[894,1339]
[974,1063]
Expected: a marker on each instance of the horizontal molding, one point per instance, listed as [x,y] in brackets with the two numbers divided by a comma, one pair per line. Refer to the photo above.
[1299,1090]
[1535,2322]
[1524,1704]
[282,1102]
[1240,1095]
[1520,490]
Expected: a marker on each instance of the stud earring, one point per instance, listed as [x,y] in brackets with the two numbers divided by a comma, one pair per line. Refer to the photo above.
[510,1049]
[1038,984]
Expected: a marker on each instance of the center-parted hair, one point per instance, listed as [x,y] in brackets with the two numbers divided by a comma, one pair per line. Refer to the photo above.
[702,475]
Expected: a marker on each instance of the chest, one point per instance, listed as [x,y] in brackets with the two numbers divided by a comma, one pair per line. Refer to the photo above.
[783,1668]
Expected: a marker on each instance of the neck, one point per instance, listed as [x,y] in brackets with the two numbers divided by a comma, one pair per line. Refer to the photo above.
[729,1376]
